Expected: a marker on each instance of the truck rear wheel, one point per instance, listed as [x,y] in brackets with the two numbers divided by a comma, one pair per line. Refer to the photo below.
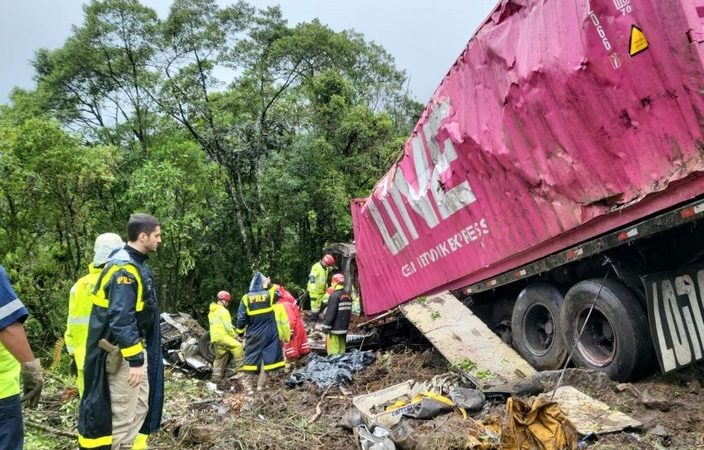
[616,338]
[534,325]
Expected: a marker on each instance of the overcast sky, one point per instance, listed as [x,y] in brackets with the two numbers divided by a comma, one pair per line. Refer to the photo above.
[425,37]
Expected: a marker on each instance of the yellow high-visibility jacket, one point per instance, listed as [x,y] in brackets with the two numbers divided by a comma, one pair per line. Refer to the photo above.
[282,324]
[317,280]
[221,330]
[79,305]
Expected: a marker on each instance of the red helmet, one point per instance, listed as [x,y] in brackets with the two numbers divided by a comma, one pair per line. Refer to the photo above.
[338,278]
[224,296]
[328,260]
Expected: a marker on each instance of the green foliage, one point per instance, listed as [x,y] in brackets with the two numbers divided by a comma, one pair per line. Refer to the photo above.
[484,374]
[466,365]
[254,171]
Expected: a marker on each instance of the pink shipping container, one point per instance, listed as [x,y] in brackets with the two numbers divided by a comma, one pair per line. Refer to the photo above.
[547,131]
[559,122]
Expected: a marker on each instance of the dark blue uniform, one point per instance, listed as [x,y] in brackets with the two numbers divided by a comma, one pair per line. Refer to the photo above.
[125,313]
[256,318]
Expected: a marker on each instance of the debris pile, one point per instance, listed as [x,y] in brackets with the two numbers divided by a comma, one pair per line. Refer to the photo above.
[327,371]
[185,344]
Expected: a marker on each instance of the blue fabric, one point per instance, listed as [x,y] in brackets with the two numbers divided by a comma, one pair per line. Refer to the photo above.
[95,418]
[11,308]
[11,432]
[262,343]
[257,283]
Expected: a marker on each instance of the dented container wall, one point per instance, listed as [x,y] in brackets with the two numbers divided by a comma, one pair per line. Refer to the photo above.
[559,121]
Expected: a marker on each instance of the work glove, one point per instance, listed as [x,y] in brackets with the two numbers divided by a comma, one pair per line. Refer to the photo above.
[73,368]
[32,382]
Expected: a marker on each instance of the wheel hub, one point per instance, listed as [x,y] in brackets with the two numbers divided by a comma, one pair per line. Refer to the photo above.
[597,343]
[539,330]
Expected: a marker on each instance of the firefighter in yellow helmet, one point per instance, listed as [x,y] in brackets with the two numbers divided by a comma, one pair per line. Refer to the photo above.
[223,337]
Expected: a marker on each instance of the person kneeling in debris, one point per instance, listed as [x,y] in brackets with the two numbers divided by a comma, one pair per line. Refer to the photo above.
[223,337]
[337,316]
[260,322]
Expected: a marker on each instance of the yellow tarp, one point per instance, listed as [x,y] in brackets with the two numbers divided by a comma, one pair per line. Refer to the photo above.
[540,427]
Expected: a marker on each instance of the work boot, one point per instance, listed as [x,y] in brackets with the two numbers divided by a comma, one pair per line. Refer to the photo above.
[217,374]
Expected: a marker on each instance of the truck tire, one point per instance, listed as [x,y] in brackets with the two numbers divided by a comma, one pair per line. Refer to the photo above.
[616,339]
[205,347]
[534,325]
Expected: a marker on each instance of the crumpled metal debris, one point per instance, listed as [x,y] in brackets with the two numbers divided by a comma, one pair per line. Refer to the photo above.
[184,344]
[326,371]
[379,439]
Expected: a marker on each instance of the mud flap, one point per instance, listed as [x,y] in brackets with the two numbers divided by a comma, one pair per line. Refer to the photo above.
[465,341]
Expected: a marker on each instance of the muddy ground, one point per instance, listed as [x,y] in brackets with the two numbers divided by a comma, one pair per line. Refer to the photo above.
[282,418]
[196,417]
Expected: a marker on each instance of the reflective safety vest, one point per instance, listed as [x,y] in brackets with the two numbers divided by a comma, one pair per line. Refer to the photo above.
[282,324]
[317,280]
[120,277]
[262,302]
[11,310]
[9,374]
[100,298]
[79,305]
[221,328]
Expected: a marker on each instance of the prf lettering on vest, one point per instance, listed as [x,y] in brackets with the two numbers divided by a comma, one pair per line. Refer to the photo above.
[257,298]
[430,190]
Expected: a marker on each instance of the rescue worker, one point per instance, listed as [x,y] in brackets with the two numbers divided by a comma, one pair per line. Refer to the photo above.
[337,316]
[223,337]
[256,318]
[80,303]
[124,378]
[318,283]
[16,358]
[298,345]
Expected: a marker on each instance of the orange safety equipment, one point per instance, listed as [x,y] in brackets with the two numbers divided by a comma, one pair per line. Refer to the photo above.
[328,260]
[224,296]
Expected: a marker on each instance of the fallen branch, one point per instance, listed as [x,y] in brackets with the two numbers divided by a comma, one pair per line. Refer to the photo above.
[51,430]
[318,409]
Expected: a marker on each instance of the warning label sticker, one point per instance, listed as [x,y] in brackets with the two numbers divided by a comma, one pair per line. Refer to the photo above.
[638,42]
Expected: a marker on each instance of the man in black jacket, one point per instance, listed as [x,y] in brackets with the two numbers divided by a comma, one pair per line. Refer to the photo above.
[337,316]
[124,384]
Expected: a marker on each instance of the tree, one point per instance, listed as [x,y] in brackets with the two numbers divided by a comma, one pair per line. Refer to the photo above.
[50,203]
[245,136]
[100,80]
